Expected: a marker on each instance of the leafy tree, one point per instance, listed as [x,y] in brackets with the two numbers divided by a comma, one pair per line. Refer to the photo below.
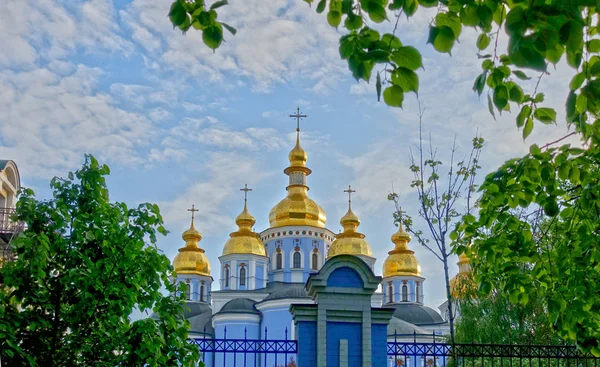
[82,265]
[440,199]
[537,34]
[558,264]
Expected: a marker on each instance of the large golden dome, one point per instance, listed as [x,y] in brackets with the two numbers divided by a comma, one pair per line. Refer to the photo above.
[297,209]
[350,242]
[401,260]
[244,240]
[191,258]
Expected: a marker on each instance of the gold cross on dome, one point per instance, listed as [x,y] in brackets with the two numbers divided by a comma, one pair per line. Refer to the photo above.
[349,191]
[245,190]
[298,116]
[193,210]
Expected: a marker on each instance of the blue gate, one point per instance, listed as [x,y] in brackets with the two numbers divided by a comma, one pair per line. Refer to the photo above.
[247,352]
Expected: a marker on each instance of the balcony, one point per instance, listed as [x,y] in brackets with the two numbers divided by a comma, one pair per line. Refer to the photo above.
[8,227]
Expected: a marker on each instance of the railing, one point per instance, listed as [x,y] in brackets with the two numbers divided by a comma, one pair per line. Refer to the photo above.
[438,353]
[247,352]
[7,225]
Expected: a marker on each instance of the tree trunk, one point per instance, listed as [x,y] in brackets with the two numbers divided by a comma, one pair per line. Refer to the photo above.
[449,297]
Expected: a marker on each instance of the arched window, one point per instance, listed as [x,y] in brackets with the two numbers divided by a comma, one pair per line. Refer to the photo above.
[390,293]
[226,275]
[242,276]
[297,260]
[188,290]
[315,261]
[404,293]
[202,292]
[418,292]
[279,261]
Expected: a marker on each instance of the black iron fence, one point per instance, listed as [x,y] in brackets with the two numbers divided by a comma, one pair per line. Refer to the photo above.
[247,352]
[438,353]
[7,225]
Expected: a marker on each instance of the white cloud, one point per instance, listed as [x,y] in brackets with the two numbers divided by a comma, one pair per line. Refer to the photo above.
[49,121]
[159,114]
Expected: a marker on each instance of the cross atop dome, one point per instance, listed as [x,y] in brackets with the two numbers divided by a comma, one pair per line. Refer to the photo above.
[350,191]
[193,210]
[298,116]
[245,190]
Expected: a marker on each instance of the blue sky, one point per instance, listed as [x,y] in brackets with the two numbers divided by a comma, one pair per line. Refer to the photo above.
[181,125]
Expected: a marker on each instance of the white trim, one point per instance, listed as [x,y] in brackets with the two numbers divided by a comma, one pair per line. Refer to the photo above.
[227,317]
[283,303]
[328,236]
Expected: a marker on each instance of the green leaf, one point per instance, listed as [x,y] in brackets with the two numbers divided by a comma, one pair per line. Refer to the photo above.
[177,14]
[521,75]
[581,103]
[376,12]
[218,4]
[391,41]
[516,93]
[393,96]
[410,7]
[593,45]
[408,57]
[515,25]
[491,106]
[406,79]
[479,83]
[571,105]
[378,55]
[501,97]
[442,38]
[528,128]
[483,41]
[334,18]
[213,36]
[321,6]
[451,21]
[469,16]
[231,30]
[353,22]
[378,87]
[551,208]
[577,81]
[523,115]
[545,115]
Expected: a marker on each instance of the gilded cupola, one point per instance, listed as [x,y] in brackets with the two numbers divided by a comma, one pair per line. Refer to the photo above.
[401,260]
[462,282]
[297,209]
[191,258]
[350,241]
[244,240]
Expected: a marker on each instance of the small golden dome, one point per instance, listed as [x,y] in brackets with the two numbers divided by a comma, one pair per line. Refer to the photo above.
[401,260]
[462,283]
[297,155]
[244,240]
[350,242]
[191,258]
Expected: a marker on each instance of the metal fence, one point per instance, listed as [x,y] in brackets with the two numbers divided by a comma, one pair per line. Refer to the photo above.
[247,352]
[438,353]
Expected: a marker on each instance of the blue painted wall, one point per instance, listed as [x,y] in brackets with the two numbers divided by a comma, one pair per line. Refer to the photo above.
[351,332]
[235,330]
[288,245]
[379,345]
[345,277]
[260,281]
[276,321]
[306,334]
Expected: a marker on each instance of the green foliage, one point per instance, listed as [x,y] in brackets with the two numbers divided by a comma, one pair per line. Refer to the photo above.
[537,34]
[83,265]
[556,263]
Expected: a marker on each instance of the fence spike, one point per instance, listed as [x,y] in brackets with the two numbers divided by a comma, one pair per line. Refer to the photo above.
[204,332]
[225,333]
[245,333]
[266,332]
[286,333]
[415,336]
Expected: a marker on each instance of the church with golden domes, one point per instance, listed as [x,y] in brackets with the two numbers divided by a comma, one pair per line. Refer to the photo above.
[261,275]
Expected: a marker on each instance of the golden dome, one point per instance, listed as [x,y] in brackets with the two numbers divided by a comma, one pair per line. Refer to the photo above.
[350,242]
[297,209]
[191,258]
[462,283]
[244,240]
[401,260]
[298,155]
